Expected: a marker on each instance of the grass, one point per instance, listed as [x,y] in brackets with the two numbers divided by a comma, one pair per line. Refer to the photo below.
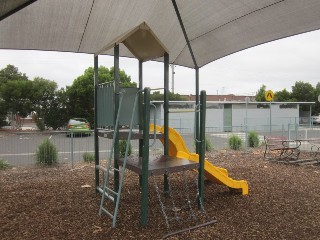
[4,164]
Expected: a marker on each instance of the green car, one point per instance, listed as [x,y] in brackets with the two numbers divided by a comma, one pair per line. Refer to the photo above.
[78,126]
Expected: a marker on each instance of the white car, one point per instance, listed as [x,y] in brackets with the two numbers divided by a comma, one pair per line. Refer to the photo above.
[316,119]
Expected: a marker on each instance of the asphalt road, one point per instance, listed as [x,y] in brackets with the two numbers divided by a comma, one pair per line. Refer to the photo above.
[19,149]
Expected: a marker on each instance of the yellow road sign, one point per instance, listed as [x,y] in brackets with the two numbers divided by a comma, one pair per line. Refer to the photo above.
[269,95]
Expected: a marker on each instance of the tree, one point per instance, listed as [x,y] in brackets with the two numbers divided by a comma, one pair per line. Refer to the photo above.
[56,114]
[10,73]
[81,92]
[302,92]
[3,113]
[260,94]
[283,96]
[316,109]
[17,95]
[157,96]
[43,92]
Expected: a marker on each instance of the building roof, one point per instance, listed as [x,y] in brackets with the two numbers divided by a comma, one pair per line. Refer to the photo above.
[213,28]
[227,97]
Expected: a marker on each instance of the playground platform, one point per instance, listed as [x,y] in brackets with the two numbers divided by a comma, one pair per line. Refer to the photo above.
[160,165]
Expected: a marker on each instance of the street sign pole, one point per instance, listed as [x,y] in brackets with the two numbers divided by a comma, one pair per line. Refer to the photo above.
[270,119]
[269,96]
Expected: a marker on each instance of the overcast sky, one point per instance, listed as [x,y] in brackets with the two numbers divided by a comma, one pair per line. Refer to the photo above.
[278,65]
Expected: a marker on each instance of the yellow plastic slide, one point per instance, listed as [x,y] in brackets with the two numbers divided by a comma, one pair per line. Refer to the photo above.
[178,148]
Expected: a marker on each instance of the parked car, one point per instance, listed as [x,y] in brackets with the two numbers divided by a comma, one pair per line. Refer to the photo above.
[316,119]
[78,126]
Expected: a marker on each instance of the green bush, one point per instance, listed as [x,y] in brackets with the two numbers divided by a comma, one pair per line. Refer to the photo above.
[40,124]
[122,148]
[4,164]
[209,146]
[253,139]
[88,157]
[235,142]
[47,153]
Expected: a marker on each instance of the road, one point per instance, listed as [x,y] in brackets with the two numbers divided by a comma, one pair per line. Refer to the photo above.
[19,149]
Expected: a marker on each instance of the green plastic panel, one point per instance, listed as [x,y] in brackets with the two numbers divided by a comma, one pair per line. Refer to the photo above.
[105,94]
[127,107]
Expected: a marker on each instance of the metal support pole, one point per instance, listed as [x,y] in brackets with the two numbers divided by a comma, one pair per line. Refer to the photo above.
[96,138]
[141,119]
[202,148]
[310,116]
[72,152]
[246,122]
[116,108]
[197,134]
[145,160]
[172,78]
[166,115]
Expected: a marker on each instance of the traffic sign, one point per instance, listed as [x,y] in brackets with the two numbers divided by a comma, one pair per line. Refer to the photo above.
[269,95]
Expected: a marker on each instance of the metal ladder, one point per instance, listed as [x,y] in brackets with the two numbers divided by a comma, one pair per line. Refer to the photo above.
[106,191]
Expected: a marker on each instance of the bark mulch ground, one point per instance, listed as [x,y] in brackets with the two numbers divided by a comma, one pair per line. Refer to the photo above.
[57,203]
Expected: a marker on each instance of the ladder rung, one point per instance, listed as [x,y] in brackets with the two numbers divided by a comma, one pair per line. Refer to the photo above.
[107,212]
[105,170]
[115,169]
[101,168]
[106,194]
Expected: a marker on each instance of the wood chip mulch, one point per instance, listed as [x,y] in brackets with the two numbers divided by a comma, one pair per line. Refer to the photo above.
[60,203]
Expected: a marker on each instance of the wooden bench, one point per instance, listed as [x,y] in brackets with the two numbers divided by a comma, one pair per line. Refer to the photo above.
[281,145]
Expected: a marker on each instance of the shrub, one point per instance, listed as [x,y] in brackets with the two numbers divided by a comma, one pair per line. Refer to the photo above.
[40,124]
[122,148]
[47,153]
[4,164]
[253,139]
[235,142]
[209,146]
[88,157]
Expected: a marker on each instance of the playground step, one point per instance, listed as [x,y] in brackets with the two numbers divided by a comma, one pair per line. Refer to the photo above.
[107,212]
[111,170]
[106,194]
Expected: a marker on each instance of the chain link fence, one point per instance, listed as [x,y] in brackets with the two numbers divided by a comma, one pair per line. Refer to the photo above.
[19,148]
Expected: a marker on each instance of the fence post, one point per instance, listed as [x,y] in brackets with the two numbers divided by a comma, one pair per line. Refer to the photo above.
[289,135]
[71,149]
[296,127]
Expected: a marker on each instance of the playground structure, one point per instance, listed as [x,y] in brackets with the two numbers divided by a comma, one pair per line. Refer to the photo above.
[117,102]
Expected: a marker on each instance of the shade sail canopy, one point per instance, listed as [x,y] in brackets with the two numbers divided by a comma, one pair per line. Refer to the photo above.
[141,42]
[215,28]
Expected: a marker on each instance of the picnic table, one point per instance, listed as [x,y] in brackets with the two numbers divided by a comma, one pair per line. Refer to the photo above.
[279,147]
[287,149]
